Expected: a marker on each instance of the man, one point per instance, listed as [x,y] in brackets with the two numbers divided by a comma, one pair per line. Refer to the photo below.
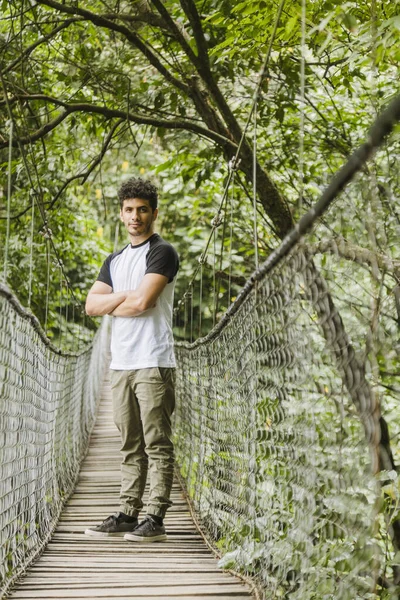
[136,287]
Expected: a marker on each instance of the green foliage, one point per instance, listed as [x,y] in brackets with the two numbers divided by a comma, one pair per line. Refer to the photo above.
[124,116]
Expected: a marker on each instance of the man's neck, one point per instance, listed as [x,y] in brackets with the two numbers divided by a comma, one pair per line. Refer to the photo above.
[136,241]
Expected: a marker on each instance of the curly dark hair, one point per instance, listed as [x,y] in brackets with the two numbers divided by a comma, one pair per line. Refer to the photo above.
[136,187]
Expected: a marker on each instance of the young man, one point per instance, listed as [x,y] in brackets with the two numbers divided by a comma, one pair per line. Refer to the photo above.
[136,287]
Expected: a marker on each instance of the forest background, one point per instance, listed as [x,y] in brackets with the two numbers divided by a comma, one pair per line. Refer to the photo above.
[96,92]
[162,90]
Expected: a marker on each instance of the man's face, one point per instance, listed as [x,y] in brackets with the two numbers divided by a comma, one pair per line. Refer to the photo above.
[138,218]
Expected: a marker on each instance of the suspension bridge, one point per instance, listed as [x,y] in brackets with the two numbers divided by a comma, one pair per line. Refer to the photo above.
[279,436]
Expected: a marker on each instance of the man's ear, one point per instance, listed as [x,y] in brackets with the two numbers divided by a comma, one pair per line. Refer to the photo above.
[155,214]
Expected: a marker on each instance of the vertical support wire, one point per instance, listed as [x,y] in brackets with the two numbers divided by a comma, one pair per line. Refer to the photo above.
[302,104]
[73,324]
[372,344]
[60,309]
[116,236]
[40,194]
[253,411]
[31,253]
[67,312]
[191,316]
[200,294]
[47,284]
[6,247]
[185,314]
[255,186]
[221,255]
[232,197]
[215,301]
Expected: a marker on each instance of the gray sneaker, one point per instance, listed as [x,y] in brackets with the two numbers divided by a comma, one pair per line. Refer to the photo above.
[115,525]
[147,531]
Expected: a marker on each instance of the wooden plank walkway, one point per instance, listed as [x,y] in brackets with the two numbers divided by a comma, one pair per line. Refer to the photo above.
[77,566]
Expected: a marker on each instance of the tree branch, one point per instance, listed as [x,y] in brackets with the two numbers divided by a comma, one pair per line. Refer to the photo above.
[191,12]
[174,29]
[42,40]
[144,17]
[130,35]
[84,176]
[112,113]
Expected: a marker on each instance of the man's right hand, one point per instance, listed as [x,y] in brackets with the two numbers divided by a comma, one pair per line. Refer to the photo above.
[101,300]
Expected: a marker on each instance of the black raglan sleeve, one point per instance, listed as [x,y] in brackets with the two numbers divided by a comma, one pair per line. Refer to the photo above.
[104,274]
[163,259]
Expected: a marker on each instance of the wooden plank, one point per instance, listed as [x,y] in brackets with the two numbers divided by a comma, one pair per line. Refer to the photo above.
[63,573]
[157,597]
[130,591]
[139,578]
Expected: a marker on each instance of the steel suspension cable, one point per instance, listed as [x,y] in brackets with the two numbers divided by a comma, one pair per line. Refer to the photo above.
[6,248]
[302,104]
[234,163]
[255,186]
[46,230]
[232,197]
[31,253]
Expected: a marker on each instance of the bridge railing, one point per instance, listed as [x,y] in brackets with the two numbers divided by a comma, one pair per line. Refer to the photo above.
[271,446]
[48,403]
[287,424]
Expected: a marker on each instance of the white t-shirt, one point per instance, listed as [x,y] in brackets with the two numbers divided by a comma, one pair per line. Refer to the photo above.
[145,340]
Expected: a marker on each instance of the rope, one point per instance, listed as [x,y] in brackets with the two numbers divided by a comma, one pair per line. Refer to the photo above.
[47,282]
[48,407]
[255,589]
[302,104]
[255,187]
[380,129]
[31,254]
[46,230]
[200,296]
[215,292]
[278,432]
[191,314]
[230,241]
[60,309]
[6,248]
[235,161]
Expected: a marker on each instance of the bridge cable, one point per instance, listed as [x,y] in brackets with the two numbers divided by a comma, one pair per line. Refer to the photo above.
[232,197]
[47,283]
[8,202]
[46,231]
[221,253]
[255,186]
[234,162]
[302,104]
[30,279]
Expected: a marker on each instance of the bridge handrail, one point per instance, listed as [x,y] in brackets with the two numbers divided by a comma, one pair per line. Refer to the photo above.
[48,402]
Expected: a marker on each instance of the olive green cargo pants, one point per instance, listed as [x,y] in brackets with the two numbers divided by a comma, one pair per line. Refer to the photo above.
[143,402]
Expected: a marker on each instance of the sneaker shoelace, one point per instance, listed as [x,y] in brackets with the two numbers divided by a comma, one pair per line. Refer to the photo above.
[115,518]
[149,524]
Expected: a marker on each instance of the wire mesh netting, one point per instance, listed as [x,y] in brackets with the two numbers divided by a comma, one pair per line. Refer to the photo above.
[48,404]
[271,450]
[286,411]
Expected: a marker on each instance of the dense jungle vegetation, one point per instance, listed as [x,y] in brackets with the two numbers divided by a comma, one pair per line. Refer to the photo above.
[100,92]
[96,92]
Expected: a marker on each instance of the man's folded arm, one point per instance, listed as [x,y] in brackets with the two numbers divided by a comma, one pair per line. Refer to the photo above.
[143,298]
[101,300]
